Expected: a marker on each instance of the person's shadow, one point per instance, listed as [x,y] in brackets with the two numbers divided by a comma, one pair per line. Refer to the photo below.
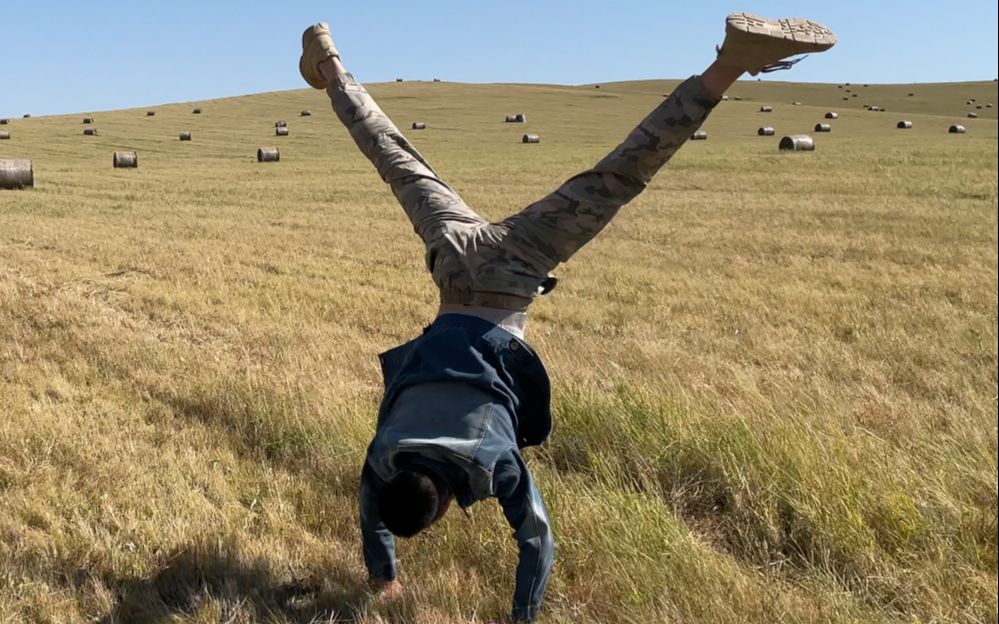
[196,574]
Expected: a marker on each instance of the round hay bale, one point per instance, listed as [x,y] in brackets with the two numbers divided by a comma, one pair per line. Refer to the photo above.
[16,174]
[398,79]
[90,132]
[737,98]
[969,102]
[912,95]
[978,107]
[125,160]
[832,115]
[596,86]
[281,131]
[268,154]
[874,108]
[956,129]
[972,115]
[867,85]
[196,111]
[88,120]
[4,122]
[280,123]
[530,138]
[305,113]
[521,118]
[905,124]
[849,90]
[797,143]
[839,86]
[437,79]
[988,105]
[821,127]
[765,131]
[419,125]
[766,109]
[796,103]
[700,135]
[845,98]
[26,116]
[150,113]
[724,98]
[184,136]
[511,119]
[4,136]
[847,83]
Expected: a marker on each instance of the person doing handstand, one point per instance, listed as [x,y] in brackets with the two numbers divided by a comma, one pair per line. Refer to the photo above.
[463,399]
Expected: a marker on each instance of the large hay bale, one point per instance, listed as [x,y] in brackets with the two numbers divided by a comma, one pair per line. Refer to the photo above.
[150,113]
[530,138]
[521,118]
[972,115]
[125,160]
[184,136]
[797,143]
[88,120]
[956,129]
[4,122]
[821,127]
[4,136]
[16,174]
[765,131]
[268,154]
[832,115]
[904,124]
[280,123]
[700,135]
[90,132]
[196,111]
[305,113]
[766,109]
[419,125]
[281,131]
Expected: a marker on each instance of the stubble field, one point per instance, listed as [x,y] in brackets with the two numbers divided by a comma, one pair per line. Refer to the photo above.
[774,374]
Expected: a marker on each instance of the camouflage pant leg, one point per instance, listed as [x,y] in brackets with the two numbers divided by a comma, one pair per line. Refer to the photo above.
[551,230]
[427,200]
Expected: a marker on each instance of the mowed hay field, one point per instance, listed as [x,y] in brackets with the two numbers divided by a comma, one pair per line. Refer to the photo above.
[774,374]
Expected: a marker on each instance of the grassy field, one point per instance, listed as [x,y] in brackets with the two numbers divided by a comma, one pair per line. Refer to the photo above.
[775,374]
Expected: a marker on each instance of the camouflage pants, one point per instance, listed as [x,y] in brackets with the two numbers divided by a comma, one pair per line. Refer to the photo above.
[505,264]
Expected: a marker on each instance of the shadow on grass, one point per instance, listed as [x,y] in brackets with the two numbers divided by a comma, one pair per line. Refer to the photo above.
[238,591]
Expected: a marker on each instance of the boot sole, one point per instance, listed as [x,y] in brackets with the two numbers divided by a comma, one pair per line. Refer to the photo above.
[800,35]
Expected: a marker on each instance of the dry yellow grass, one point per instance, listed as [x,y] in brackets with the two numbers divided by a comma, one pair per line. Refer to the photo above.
[775,373]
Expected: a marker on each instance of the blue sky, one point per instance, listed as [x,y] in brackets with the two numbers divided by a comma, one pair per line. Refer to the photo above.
[63,57]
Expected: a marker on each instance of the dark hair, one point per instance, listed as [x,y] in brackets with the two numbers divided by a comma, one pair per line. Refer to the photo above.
[409,502]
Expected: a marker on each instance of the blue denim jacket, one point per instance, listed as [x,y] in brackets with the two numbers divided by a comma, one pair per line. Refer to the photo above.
[462,399]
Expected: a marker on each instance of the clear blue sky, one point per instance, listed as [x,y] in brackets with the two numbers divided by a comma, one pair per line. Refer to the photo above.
[71,56]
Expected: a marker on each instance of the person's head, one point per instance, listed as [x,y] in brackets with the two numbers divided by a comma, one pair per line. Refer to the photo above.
[412,500]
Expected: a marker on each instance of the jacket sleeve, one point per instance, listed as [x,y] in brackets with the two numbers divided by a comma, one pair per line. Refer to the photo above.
[378,542]
[525,511]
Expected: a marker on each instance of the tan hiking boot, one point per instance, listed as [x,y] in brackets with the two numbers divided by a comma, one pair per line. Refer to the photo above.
[317,46]
[756,44]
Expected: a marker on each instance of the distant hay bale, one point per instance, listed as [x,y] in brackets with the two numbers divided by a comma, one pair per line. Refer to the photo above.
[839,86]
[849,91]
[511,119]
[956,129]
[765,131]
[847,83]
[797,143]
[972,115]
[700,135]
[912,95]
[4,122]
[832,115]
[305,113]
[26,116]
[854,95]
[521,118]
[437,79]
[724,98]
[978,107]
[4,136]
[988,105]
[419,125]
[796,103]
[874,108]
[737,98]
[398,79]
[16,174]
[280,124]
[530,138]
[196,111]
[125,160]
[90,132]
[184,136]
[88,120]
[150,113]
[905,124]
[766,109]
[845,98]
[596,86]
[821,127]
[281,131]
[867,85]
[268,154]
